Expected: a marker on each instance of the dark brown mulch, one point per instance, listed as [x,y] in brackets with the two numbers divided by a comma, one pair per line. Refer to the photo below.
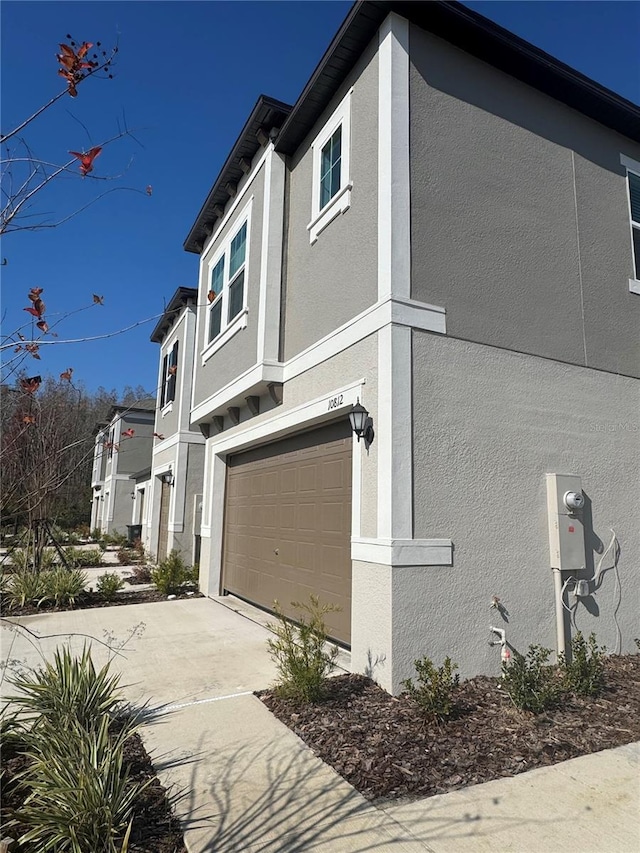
[89,600]
[385,748]
[155,829]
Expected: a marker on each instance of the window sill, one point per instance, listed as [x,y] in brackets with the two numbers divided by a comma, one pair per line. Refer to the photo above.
[167,408]
[238,323]
[634,286]
[338,204]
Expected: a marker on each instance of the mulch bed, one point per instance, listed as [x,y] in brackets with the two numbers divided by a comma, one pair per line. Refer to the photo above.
[385,748]
[155,829]
[93,599]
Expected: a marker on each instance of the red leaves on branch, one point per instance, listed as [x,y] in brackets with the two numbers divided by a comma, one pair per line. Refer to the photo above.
[173,370]
[98,300]
[149,190]
[28,419]
[110,445]
[128,433]
[37,309]
[158,435]
[211,295]
[68,373]
[43,326]
[73,65]
[31,384]
[33,349]
[86,159]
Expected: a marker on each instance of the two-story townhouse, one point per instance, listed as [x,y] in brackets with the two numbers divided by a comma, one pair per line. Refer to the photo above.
[123,446]
[442,228]
[170,495]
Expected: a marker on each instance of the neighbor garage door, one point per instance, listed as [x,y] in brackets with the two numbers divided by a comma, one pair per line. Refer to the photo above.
[288,523]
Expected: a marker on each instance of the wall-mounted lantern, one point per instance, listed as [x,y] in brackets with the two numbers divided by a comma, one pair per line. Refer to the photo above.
[168,478]
[361,423]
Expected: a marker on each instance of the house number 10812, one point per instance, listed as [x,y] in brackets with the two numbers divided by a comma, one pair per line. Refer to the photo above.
[334,402]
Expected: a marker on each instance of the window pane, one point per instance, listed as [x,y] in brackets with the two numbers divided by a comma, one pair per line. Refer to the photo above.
[236,296]
[634,193]
[238,248]
[217,277]
[215,316]
[636,250]
[330,159]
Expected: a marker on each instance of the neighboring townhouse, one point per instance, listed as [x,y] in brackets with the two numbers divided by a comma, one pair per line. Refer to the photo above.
[443,229]
[173,491]
[123,445]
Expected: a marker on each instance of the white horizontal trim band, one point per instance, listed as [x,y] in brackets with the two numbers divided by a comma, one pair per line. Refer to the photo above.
[403,552]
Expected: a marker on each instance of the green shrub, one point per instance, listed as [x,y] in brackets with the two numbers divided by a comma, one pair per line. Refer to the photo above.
[20,560]
[49,559]
[79,796]
[96,534]
[433,692]
[140,573]
[26,587]
[83,558]
[300,651]
[63,586]
[584,673]
[126,556]
[109,585]
[531,683]
[171,576]
[68,689]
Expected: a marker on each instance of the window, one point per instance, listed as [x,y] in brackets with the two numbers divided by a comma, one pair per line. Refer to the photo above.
[634,204]
[227,284]
[633,186]
[169,371]
[331,191]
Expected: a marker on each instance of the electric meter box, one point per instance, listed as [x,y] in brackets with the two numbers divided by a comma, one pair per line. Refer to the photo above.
[566,528]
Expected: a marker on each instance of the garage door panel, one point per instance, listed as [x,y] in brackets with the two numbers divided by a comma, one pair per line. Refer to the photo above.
[288,523]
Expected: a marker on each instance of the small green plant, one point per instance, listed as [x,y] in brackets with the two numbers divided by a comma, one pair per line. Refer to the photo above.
[96,534]
[49,559]
[26,587]
[532,684]
[20,560]
[68,689]
[171,575]
[126,556]
[109,585]
[63,586]
[300,651]
[433,692]
[84,558]
[584,673]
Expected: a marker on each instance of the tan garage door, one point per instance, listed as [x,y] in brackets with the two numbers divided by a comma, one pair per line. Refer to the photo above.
[288,523]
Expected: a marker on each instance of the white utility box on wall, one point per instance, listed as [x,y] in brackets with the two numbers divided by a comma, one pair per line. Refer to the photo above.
[565,503]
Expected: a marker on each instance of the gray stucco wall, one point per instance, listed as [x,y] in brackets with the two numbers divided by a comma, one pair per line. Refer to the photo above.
[335,279]
[488,425]
[519,214]
[239,353]
[184,542]
[135,453]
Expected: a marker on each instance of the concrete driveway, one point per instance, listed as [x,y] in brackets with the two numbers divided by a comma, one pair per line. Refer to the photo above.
[243,782]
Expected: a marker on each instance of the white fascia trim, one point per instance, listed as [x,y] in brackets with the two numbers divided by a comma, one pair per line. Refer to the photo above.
[394,195]
[634,285]
[237,201]
[403,552]
[402,312]
[264,372]
[317,410]
[182,437]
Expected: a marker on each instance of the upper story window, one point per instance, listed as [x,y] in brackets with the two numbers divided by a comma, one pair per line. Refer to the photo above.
[633,183]
[168,378]
[331,190]
[227,288]
[634,203]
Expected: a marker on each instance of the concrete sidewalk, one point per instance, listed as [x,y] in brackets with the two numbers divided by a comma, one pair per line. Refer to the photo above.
[244,782]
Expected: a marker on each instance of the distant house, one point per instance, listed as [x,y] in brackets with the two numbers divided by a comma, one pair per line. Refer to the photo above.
[173,494]
[123,445]
[445,229]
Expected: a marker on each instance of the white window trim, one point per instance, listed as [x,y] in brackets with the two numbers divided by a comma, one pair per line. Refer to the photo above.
[341,201]
[230,328]
[631,166]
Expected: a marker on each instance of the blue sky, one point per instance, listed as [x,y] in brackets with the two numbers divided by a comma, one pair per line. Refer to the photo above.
[187,76]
